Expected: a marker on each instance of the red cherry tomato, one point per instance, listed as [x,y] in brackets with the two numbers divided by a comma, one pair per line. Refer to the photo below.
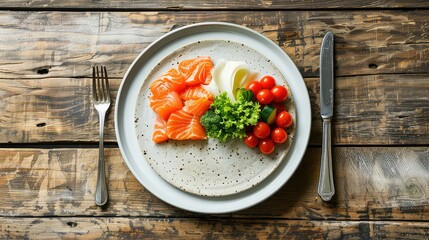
[251,140]
[279,94]
[261,130]
[266,146]
[268,82]
[255,87]
[279,135]
[283,119]
[264,96]
[280,107]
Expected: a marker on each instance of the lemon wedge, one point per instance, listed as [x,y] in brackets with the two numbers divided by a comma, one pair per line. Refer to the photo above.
[229,76]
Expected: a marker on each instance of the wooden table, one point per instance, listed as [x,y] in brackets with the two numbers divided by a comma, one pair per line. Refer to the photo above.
[49,128]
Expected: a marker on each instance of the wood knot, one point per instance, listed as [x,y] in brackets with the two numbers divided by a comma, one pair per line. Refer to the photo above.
[72,224]
[372,66]
[41,124]
[43,71]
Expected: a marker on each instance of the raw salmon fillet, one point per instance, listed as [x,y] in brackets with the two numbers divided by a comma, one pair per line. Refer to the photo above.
[196,92]
[196,71]
[166,104]
[159,130]
[197,107]
[179,99]
[182,125]
[171,81]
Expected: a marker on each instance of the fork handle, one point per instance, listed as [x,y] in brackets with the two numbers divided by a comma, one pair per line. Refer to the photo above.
[101,195]
[326,187]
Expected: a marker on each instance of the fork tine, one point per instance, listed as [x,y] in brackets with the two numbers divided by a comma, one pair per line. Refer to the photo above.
[99,86]
[94,88]
[103,87]
[107,84]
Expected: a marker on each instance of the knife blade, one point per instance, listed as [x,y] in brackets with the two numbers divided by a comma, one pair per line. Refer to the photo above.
[326,187]
[327,76]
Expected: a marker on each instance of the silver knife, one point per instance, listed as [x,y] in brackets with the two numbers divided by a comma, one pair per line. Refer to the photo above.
[326,187]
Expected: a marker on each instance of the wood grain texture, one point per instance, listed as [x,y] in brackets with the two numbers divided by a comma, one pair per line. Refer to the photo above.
[66,44]
[144,228]
[210,5]
[52,110]
[381,98]
[381,183]
[381,109]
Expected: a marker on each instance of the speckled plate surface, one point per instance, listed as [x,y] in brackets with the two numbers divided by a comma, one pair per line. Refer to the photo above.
[209,168]
[130,96]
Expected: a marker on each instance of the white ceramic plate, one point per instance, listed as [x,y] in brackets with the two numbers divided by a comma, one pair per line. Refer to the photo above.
[128,96]
[209,168]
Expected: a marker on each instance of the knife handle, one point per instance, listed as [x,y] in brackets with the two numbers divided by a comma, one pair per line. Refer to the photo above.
[326,187]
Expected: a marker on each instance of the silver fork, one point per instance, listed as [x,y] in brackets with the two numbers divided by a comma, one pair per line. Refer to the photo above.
[101,98]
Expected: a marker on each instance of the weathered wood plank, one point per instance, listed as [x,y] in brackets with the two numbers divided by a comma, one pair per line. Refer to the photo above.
[52,110]
[143,228]
[210,5]
[381,109]
[382,183]
[65,44]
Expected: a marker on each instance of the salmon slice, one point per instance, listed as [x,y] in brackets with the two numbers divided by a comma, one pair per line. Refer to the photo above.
[171,81]
[197,107]
[159,130]
[166,104]
[196,71]
[196,92]
[182,125]
[160,88]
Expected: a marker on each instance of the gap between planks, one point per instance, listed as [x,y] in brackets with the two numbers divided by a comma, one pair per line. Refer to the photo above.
[215,217]
[87,145]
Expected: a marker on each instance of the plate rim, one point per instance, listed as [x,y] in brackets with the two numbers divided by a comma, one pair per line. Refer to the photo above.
[306,135]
